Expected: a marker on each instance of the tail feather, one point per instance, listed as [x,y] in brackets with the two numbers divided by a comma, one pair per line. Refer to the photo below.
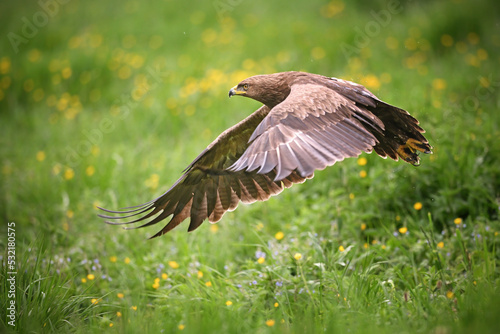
[401,137]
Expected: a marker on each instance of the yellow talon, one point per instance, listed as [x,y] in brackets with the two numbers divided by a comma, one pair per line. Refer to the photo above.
[408,151]
[414,144]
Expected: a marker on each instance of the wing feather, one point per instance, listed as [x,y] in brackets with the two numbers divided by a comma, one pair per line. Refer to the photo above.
[225,193]
[207,189]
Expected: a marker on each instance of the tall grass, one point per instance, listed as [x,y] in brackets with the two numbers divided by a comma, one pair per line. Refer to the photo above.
[46,298]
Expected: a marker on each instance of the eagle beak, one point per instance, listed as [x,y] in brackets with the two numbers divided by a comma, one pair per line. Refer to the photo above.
[235,91]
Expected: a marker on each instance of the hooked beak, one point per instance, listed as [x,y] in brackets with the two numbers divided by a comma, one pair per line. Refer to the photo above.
[235,91]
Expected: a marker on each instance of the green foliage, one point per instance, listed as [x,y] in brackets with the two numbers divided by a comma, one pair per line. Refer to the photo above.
[46,299]
[106,103]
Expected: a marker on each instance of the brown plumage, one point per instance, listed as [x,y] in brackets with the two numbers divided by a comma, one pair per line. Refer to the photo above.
[307,122]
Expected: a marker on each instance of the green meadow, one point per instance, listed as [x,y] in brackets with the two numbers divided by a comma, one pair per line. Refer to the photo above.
[105,103]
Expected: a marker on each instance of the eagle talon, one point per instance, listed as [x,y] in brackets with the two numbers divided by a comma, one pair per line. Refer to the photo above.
[409,151]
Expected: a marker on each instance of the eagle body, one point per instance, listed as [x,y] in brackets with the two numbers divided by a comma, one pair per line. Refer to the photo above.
[307,122]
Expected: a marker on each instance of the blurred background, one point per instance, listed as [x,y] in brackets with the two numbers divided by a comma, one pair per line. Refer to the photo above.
[96,95]
[103,103]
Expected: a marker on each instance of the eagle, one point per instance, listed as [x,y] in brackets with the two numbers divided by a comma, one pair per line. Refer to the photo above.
[306,123]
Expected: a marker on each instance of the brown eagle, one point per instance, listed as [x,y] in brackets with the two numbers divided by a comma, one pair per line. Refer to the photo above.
[307,122]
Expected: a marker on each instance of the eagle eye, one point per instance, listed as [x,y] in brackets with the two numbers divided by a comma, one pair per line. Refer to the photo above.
[245,86]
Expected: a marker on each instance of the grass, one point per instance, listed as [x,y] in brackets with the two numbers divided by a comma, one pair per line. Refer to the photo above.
[107,103]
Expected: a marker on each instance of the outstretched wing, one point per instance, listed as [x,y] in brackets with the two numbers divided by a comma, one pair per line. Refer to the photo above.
[207,189]
[314,127]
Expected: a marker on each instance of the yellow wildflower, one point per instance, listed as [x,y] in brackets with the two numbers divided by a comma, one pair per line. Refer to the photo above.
[69,173]
[439,84]
[297,256]
[270,322]
[341,248]
[482,54]
[447,40]
[214,228]
[173,264]
[40,156]
[56,169]
[229,303]
[332,8]
[318,53]
[458,221]
[90,170]
[280,235]
[260,260]
[5,65]
[34,55]
[417,206]
[371,81]
[95,150]
[440,244]
[153,181]
[66,72]
[403,230]
[90,277]
[120,295]
[124,72]
[362,161]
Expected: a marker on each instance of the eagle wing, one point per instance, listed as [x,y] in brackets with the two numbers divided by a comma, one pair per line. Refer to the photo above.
[314,127]
[207,189]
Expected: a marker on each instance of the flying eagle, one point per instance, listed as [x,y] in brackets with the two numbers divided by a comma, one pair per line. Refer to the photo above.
[307,122]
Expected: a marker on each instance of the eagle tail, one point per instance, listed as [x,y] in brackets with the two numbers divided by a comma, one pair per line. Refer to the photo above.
[401,137]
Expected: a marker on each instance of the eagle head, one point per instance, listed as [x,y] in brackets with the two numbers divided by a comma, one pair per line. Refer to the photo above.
[270,89]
